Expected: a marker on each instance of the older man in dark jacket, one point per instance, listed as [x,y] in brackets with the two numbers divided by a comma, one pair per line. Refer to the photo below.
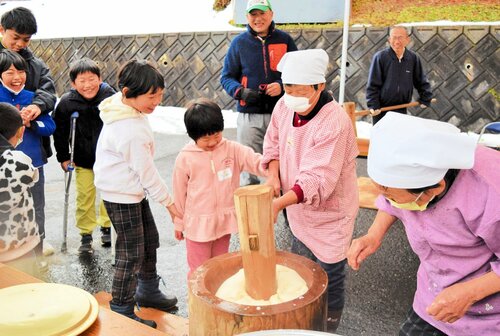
[394,72]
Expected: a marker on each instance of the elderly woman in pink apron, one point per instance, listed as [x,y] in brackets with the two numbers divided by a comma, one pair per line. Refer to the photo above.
[310,144]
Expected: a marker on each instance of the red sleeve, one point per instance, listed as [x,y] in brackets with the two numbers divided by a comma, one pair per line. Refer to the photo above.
[298,191]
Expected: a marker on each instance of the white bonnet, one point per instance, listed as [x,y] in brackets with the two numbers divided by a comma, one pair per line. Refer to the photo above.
[304,67]
[408,152]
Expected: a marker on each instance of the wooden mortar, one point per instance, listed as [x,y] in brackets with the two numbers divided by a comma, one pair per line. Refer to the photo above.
[210,315]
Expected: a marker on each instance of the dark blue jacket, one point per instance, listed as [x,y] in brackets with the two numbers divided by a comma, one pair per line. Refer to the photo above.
[391,82]
[251,61]
[39,81]
[42,126]
[88,125]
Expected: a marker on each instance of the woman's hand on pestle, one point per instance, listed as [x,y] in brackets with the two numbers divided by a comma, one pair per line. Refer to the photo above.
[276,210]
[289,198]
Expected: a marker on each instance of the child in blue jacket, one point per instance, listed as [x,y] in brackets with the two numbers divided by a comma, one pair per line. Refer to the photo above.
[13,78]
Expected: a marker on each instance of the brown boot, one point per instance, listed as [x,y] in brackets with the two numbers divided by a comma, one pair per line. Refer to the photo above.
[333,320]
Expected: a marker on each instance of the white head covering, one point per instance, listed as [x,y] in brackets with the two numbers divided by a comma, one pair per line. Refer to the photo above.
[304,67]
[408,152]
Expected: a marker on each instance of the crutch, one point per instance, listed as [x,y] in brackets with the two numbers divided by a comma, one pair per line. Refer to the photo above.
[67,179]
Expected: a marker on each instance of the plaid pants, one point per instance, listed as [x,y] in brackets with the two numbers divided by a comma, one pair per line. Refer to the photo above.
[414,325]
[136,243]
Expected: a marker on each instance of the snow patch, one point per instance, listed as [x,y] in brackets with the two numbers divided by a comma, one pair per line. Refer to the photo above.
[170,120]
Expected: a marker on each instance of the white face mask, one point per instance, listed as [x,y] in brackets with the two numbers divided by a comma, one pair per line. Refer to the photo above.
[298,104]
[10,90]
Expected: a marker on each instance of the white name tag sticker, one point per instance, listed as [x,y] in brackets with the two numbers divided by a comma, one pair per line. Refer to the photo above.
[225,174]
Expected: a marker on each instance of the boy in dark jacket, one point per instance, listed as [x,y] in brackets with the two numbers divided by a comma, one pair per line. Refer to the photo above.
[87,93]
[17,27]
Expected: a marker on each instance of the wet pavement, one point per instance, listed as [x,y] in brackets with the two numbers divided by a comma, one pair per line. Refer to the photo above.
[377,297]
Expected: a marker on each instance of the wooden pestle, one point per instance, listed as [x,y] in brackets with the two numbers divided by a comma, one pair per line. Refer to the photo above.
[256,230]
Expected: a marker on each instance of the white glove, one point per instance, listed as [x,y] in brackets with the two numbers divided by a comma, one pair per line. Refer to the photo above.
[423,106]
[374,113]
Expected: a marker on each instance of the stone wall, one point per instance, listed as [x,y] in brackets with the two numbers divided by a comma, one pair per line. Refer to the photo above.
[462,64]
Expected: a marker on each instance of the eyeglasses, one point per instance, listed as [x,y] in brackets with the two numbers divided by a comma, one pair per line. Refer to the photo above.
[398,38]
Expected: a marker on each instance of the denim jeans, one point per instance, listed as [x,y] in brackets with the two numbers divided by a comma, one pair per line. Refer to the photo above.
[335,272]
[38,192]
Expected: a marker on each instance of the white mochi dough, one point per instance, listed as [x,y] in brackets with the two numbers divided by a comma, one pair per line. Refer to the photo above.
[290,286]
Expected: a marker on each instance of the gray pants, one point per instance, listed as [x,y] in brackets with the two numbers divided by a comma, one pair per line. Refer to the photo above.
[250,132]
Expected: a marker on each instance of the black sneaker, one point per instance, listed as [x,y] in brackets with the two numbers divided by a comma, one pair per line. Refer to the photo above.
[86,244]
[105,237]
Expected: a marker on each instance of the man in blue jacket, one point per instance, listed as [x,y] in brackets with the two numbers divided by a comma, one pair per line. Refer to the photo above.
[394,72]
[251,77]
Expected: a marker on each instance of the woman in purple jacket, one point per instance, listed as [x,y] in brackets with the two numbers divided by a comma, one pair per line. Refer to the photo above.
[446,191]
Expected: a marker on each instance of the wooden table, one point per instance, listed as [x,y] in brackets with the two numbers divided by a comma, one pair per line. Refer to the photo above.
[107,323]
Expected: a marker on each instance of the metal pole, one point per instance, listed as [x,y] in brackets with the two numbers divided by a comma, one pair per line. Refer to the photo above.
[345,40]
[67,180]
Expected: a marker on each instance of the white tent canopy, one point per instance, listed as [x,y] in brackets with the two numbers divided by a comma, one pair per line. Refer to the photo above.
[78,18]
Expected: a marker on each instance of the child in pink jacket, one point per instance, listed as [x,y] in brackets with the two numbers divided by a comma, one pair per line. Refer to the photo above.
[206,174]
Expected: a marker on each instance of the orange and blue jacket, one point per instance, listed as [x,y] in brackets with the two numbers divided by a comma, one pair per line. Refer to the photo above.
[251,62]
